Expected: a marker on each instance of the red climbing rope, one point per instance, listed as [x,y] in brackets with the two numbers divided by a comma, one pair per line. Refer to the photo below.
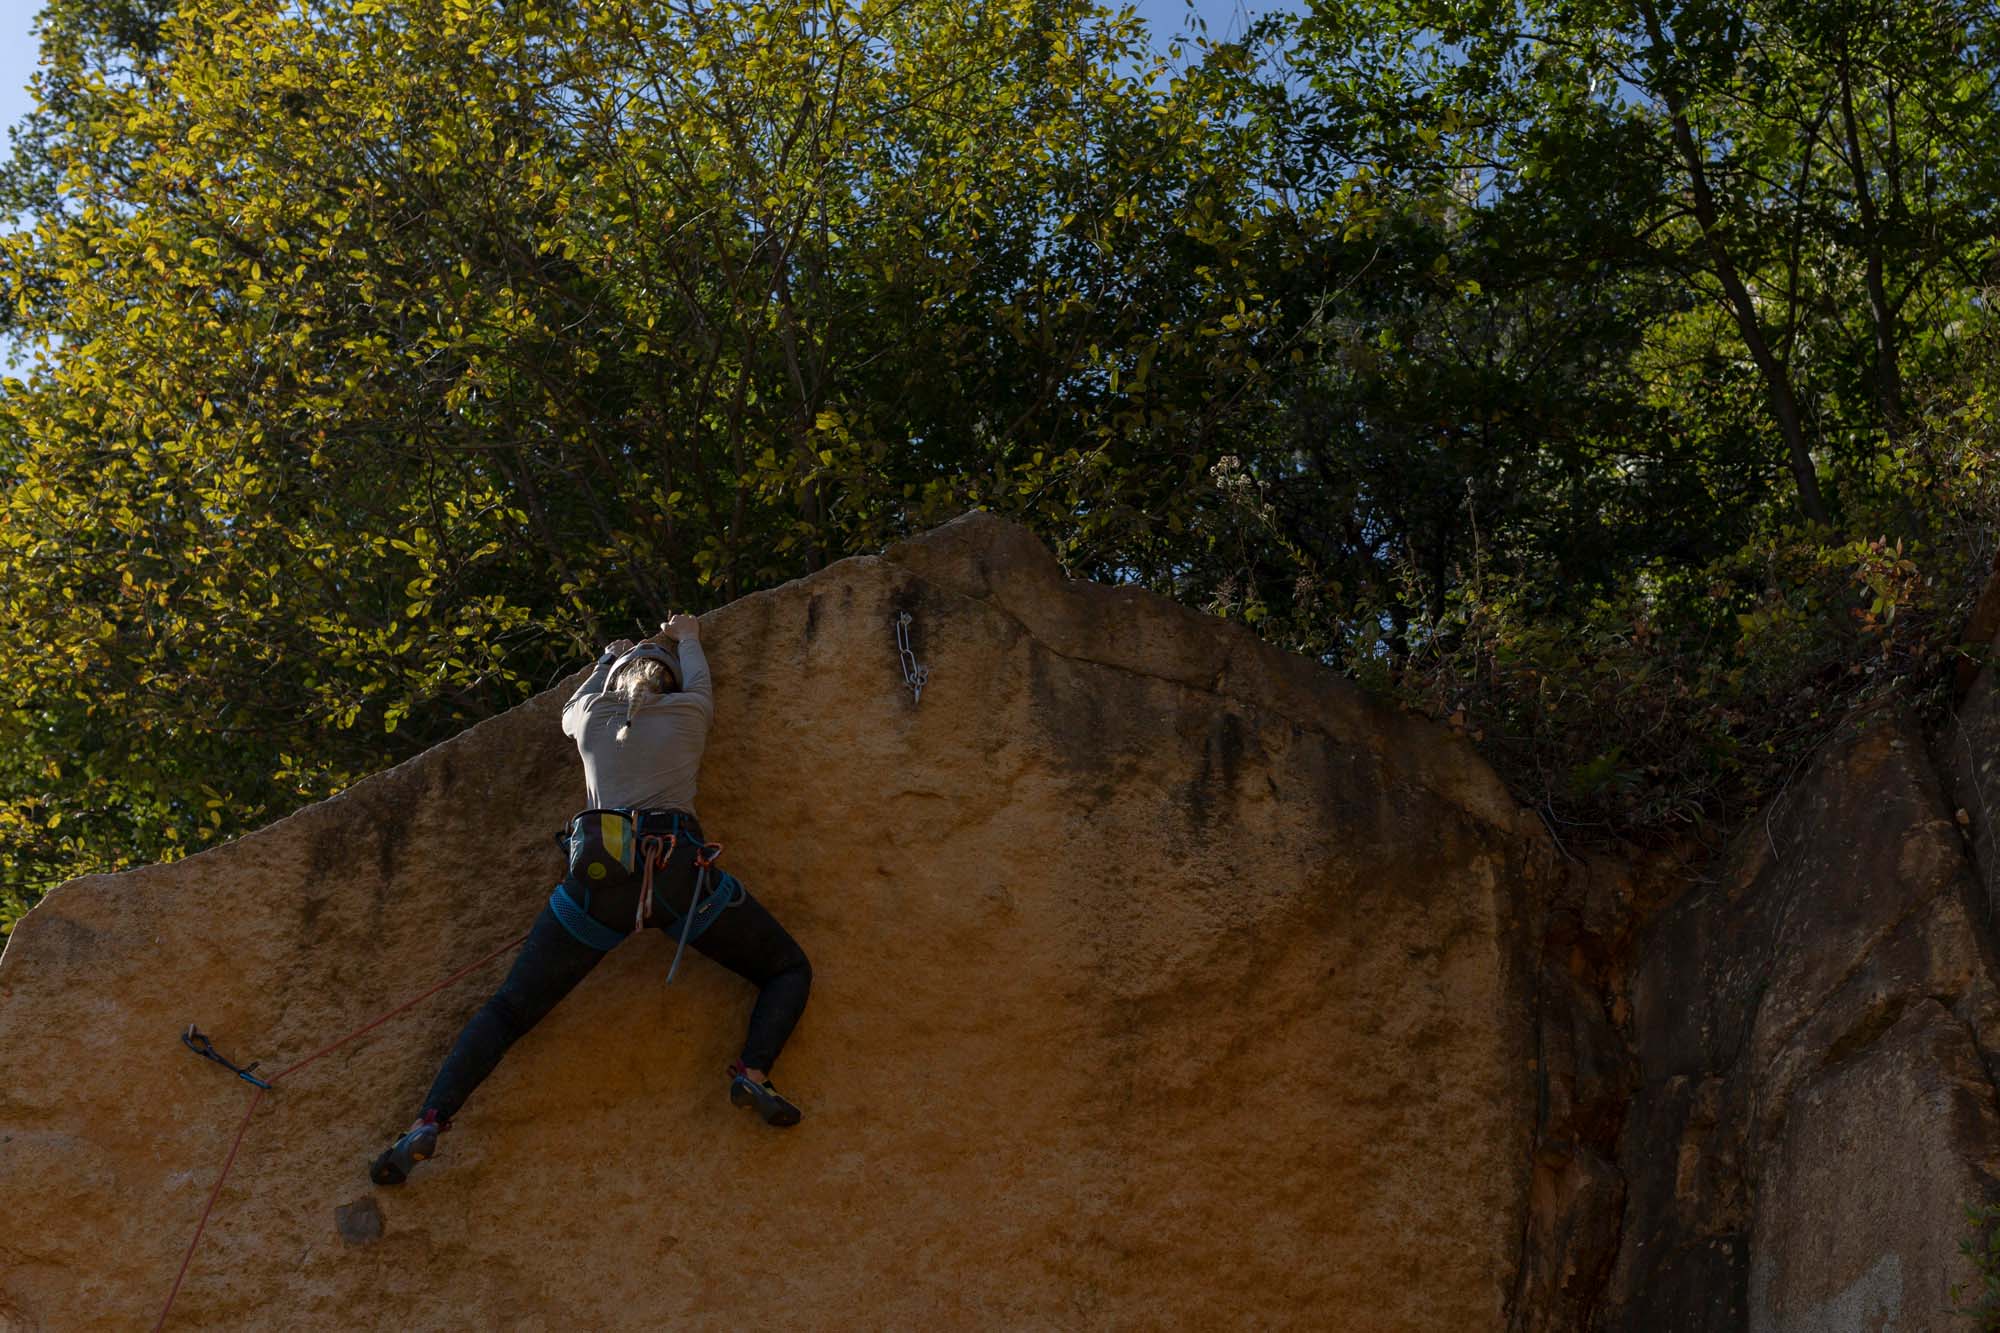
[201,1226]
[407,1004]
[241,1129]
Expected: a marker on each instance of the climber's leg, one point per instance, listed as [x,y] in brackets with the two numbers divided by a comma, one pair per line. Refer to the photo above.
[748,941]
[549,966]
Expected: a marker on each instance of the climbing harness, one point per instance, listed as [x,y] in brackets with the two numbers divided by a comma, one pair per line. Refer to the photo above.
[195,1041]
[607,847]
[915,673]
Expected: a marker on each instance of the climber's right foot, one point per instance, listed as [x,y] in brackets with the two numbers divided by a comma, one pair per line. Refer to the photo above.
[767,1101]
[393,1167]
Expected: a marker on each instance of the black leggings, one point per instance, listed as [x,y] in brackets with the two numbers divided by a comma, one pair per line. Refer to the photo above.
[745,938]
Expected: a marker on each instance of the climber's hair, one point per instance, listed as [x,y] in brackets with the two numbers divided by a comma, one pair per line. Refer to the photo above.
[638,682]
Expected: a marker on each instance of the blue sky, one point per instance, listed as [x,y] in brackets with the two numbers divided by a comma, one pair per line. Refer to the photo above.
[17,57]
[1225,18]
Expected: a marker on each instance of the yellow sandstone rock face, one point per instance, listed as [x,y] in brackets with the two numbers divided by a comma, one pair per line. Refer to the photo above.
[1161,980]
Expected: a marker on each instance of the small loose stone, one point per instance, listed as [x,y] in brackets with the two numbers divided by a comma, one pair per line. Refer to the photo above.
[360,1222]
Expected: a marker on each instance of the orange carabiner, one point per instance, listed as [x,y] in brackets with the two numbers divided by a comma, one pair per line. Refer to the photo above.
[649,846]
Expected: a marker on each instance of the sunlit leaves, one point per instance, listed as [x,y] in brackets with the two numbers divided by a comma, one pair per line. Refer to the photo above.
[386,355]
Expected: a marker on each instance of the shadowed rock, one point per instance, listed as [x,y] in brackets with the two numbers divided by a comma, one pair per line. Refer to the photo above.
[1814,1032]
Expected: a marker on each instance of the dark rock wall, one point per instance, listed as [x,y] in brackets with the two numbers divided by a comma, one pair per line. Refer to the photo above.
[1814,1033]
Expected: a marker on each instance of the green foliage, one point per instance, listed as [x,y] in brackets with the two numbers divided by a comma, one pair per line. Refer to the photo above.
[1982,1247]
[1682,697]
[387,356]
[1622,294]
[1616,385]
[1813,185]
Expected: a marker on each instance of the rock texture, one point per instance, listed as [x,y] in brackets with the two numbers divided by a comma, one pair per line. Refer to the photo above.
[1815,1032]
[1161,981]
[1585,1076]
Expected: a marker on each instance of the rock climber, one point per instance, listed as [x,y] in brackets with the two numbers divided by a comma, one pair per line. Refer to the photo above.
[640,722]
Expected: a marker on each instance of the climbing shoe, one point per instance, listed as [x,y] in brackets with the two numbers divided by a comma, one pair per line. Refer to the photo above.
[769,1104]
[393,1167]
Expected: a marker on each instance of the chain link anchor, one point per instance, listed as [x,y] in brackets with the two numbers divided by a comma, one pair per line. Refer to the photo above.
[915,673]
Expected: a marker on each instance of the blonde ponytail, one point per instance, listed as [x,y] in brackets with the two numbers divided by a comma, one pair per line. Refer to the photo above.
[639,681]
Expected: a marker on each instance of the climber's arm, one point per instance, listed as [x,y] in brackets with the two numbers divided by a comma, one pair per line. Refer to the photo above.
[686,632]
[593,685]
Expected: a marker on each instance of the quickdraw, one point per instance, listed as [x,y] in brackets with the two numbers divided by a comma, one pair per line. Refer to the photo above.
[195,1040]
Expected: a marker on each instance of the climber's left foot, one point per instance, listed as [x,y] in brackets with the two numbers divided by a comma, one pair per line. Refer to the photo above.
[393,1167]
[768,1102]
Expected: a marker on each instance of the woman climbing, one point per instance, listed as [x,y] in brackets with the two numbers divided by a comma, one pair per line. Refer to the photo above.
[637,858]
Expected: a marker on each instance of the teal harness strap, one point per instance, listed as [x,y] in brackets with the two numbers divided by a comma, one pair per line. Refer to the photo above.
[577,920]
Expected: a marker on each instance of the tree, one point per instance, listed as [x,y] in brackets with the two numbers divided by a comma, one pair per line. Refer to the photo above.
[409,349]
[1782,163]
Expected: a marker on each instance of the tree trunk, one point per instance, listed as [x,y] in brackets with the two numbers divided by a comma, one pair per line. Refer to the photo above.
[1888,372]
[1777,379]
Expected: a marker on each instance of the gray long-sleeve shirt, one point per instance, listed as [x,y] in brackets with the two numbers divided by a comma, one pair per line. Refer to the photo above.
[654,764]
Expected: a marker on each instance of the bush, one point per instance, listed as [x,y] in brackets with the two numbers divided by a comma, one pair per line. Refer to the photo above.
[1684,697]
